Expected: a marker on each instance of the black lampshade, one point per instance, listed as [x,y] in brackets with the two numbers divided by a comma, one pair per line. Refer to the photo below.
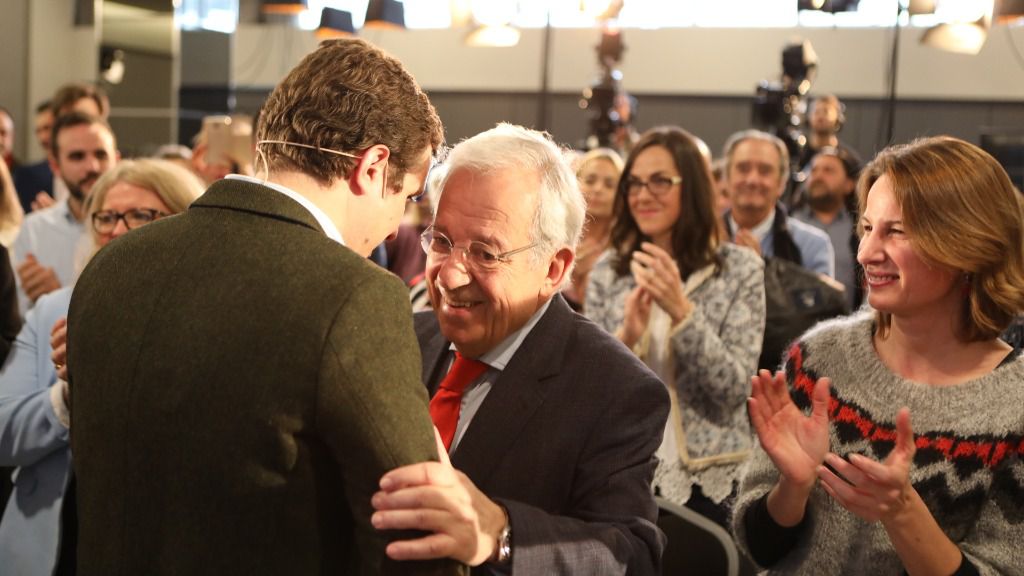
[385,14]
[335,23]
[283,6]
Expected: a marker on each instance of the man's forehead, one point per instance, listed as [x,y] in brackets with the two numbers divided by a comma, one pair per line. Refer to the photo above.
[85,136]
[755,150]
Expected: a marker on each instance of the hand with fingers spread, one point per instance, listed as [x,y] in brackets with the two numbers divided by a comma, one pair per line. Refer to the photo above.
[58,345]
[796,443]
[657,272]
[435,497]
[874,490]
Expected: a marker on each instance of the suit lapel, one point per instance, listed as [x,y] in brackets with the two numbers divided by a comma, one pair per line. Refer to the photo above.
[517,394]
[433,349]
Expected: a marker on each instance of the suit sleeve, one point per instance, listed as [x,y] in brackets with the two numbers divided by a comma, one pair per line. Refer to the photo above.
[29,427]
[609,526]
[372,407]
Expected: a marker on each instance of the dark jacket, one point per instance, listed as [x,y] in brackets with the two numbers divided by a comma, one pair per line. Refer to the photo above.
[240,383]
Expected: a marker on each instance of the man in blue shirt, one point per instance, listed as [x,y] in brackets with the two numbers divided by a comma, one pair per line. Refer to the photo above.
[756,173]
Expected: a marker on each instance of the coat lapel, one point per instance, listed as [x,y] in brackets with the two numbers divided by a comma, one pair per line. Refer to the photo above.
[433,349]
[516,396]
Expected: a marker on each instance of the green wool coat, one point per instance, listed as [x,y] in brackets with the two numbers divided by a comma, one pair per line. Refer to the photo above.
[239,384]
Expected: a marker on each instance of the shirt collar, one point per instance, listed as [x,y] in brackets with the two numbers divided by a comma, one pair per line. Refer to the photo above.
[322,219]
[761,230]
[499,356]
[64,209]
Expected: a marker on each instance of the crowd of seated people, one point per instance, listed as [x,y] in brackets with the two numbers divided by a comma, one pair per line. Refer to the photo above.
[591,329]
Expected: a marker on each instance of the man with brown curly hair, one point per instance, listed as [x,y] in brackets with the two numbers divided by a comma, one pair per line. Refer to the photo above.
[241,375]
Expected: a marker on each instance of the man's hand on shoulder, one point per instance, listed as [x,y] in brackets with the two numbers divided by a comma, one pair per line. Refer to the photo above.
[435,497]
[36,279]
[42,200]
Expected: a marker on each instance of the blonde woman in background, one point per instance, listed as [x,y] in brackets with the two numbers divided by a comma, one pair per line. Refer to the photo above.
[35,537]
[598,174]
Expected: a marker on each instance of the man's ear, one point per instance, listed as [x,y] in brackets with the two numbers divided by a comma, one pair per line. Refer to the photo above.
[369,172]
[54,167]
[558,268]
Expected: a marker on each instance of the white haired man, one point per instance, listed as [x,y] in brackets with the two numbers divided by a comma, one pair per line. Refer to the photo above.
[551,423]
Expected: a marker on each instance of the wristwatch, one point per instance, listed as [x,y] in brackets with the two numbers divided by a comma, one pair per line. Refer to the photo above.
[505,545]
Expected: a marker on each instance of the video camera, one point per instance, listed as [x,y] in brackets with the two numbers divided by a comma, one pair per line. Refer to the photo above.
[779,107]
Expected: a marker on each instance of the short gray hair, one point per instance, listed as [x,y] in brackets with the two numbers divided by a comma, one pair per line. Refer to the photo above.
[742,136]
[561,208]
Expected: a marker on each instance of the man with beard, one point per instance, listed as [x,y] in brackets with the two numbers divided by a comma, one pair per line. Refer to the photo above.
[830,186]
[82,148]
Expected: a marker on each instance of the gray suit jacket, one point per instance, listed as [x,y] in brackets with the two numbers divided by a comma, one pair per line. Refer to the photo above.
[240,382]
[565,439]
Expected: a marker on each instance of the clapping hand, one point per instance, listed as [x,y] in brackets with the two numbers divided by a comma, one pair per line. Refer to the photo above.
[657,272]
[795,443]
[746,238]
[873,490]
[36,279]
[636,315]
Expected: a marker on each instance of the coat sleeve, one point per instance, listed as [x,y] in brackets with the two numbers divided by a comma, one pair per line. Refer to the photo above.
[609,525]
[29,427]
[372,407]
[723,357]
[606,295]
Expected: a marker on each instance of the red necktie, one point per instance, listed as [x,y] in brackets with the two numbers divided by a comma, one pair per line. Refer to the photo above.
[444,406]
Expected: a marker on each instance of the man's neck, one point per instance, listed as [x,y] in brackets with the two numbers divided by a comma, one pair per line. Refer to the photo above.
[314,191]
[753,223]
[827,217]
[75,207]
[820,140]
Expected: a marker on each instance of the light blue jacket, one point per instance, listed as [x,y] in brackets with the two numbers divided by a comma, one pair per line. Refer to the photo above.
[33,440]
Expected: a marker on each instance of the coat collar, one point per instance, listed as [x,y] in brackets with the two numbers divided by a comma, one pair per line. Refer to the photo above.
[256,198]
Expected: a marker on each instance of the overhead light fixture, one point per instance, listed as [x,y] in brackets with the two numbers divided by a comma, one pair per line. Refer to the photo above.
[915,7]
[388,14]
[1008,11]
[335,23]
[610,48]
[958,37]
[831,6]
[601,10]
[494,24]
[287,7]
[503,36]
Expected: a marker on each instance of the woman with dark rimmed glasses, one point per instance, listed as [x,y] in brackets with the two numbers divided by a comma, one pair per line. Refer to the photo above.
[37,534]
[691,307]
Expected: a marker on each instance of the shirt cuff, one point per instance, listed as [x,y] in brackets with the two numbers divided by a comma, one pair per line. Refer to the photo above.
[60,408]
